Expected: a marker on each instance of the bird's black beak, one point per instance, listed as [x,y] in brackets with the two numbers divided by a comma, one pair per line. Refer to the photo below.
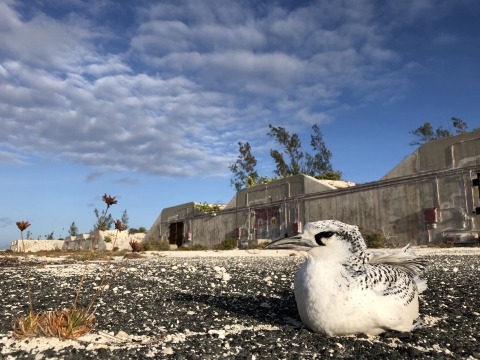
[295,242]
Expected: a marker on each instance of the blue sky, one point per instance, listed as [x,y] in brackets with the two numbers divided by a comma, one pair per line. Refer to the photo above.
[146,100]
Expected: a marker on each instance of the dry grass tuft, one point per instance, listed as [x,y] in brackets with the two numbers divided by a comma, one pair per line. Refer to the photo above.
[136,246]
[74,322]
[64,324]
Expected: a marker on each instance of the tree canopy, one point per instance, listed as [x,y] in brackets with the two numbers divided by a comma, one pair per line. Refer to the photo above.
[73,230]
[243,169]
[317,165]
[101,223]
[426,133]
[289,160]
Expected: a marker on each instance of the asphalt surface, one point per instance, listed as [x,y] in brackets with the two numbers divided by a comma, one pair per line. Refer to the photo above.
[230,308]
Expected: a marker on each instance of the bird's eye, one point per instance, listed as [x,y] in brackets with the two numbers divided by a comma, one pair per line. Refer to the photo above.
[324,235]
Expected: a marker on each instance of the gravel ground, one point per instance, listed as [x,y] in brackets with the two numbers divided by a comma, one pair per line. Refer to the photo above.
[231,308]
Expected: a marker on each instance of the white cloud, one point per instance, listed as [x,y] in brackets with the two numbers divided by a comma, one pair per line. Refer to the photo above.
[11,158]
[195,78]
[312,118]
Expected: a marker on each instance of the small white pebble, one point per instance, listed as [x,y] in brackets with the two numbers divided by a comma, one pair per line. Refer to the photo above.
[168,351]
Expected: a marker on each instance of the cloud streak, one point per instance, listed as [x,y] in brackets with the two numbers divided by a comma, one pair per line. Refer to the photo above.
[94,176]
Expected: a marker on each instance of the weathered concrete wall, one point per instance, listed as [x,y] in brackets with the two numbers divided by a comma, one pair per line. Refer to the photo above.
[159,229]
[84,241]
[448,153]
[394,207]
[394,210]
[36,245]
[397,209]
[280,189]
[211,230]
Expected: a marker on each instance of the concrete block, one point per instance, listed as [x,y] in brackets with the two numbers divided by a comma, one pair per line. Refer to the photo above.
[36,245]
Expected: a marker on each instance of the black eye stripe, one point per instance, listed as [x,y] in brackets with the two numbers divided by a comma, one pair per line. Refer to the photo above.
[326,234]
[323,234]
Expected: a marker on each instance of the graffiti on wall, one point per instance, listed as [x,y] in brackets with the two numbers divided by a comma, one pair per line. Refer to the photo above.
[267,223]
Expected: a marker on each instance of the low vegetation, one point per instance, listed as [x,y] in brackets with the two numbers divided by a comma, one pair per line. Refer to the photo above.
[72,322]
[156,245]
[195,247]
[373,239]
[227,244]
[207,208]
[260,246]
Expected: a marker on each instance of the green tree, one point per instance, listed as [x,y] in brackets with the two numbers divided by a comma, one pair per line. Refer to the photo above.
[243,169]
[73,230]
[50,236]
[124,219]
[320,162]
[330,175]
[426,133]
[317,165]
[460,125]
[101,223]
[291,145]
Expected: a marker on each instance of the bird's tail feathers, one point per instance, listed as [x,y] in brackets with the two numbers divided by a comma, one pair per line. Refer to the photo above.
[404,259]
[421,284]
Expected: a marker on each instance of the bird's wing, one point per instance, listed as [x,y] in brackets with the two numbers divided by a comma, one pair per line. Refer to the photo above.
[403,259]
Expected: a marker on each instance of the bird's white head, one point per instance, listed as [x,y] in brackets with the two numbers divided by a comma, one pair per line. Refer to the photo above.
[327,233]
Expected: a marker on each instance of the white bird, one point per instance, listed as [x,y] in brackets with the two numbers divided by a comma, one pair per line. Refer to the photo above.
[341,290]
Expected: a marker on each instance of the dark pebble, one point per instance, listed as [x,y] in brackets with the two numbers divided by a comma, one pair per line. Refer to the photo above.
[169,295]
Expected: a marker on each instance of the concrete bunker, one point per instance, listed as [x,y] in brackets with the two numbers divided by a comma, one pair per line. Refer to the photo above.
[431,197]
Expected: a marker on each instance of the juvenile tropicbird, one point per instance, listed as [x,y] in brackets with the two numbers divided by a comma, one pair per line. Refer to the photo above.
[340,289]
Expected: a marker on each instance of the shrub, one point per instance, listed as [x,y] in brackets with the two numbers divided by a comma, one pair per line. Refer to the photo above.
[141,229]
[196,247]
[207,208]
[373,239]
[107,239]
[227,244]
[260,246]
[157,245]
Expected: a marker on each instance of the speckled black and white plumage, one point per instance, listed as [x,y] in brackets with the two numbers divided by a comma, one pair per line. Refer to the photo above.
[343,290]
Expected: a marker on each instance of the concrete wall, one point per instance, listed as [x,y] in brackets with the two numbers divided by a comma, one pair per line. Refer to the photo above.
[211,230]
[36,245]
[449,153]
[393,207]
[284,188]
[84,241]
[160,230]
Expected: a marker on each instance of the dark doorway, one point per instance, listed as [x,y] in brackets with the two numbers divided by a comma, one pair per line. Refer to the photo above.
[175,236]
